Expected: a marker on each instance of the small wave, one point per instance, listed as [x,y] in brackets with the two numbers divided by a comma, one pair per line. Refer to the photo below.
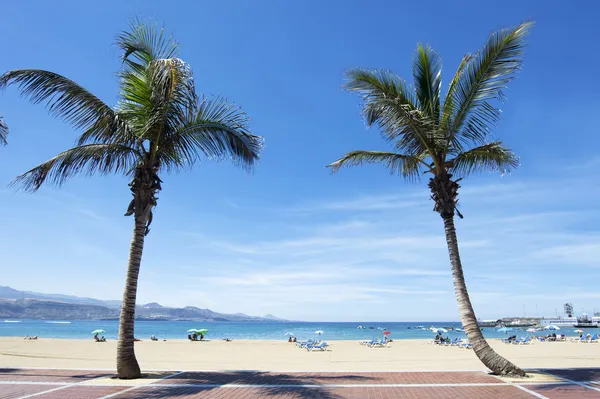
[12,321]
[59,322]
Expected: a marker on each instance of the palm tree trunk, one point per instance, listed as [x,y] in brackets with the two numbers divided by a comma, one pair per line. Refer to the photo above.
[127,365]
[484,352]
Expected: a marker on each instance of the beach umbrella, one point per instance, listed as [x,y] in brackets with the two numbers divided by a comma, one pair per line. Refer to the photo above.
[97,332]
[289,333]
[192,330]
[505,329]
[319,332]
[552,327]
[440,330]
[202,331]
[578,331]
[387,332]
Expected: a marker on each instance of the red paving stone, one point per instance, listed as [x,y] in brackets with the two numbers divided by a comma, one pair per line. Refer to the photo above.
[81,392]
[258,378]
[563,391]
[16,391]
[289,385]
[166,392]
[70,376]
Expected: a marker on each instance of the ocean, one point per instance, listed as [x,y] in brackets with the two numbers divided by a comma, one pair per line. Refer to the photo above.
[81,329]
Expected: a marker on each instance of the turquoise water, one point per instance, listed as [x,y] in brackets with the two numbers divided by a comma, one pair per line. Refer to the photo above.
[81,329]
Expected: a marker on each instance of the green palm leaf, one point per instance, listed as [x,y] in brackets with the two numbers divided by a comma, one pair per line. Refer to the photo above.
[388,102]
[405,165]
[427,72]
[215,130]
[493,156]
[483,78]
[64,98]
[3,131]
[86,159]
[145,42]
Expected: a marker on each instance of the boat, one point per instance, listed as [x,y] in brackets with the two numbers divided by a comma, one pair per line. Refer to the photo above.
[460,330]
[12,321]
[585,322]
[361,327]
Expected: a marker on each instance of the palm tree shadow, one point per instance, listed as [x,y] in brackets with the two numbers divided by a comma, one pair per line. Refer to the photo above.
[574,374]
[293,386]
[13,372]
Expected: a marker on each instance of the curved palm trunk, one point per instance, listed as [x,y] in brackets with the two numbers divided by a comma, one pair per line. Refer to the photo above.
[127,365]
[484,352]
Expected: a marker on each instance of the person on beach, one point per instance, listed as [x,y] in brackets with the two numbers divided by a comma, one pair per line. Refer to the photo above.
[201,336]
[96,338]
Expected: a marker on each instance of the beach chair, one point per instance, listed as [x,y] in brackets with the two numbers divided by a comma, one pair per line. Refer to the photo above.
[450,343]
[456,342]
[306,343]
[319,347]
[382,343]
[525,341]
[367,342]
[466,344]
[592,339]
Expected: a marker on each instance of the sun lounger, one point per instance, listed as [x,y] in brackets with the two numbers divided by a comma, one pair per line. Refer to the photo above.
[591,340]
[382,343]
[318,347]
[456,342]
[466,344]
[523,341]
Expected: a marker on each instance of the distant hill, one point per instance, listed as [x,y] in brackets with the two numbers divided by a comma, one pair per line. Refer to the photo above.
[15,304]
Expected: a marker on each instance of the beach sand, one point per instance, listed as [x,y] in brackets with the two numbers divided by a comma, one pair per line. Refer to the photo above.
[401,355]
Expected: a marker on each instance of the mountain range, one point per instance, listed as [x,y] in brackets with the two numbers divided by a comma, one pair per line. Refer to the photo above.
[15,304]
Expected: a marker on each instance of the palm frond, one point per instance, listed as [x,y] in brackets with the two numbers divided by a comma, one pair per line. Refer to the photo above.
[404,165]
[427,73]
[482,80]
[388,102]
[63,97]
[215,130]
[492,157]
[449,107]
[144,42]
[3,131]
[86,159]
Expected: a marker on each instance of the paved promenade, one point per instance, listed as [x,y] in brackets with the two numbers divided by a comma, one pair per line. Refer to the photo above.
[98,384]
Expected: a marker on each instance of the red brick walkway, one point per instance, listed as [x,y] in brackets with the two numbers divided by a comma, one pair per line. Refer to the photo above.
[73,384]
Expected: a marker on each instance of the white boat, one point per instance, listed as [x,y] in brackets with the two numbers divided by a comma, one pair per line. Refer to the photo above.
[12,321]
[567,321]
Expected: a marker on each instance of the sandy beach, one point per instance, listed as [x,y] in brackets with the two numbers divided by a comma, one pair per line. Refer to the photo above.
[401,355]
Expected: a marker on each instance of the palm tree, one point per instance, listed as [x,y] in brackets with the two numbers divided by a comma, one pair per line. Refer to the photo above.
[446,140]
[159,125]
[3,131]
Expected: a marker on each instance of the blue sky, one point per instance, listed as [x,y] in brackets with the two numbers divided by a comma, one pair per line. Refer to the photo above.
[290,239]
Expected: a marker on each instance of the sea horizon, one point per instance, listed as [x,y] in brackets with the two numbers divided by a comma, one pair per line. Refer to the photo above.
[81,329]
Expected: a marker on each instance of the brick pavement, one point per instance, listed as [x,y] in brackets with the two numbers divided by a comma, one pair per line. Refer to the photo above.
[80,384]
